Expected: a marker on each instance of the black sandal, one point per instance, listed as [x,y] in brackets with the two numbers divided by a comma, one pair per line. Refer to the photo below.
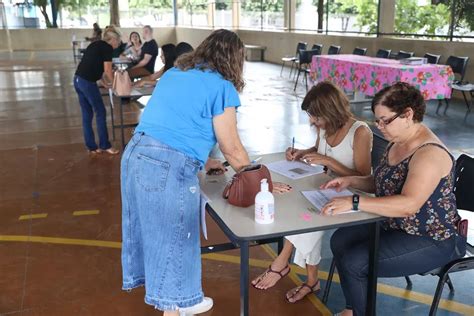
[311,288]
[270,270]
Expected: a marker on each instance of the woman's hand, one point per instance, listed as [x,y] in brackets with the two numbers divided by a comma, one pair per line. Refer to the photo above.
[337,184]
[281,188]
[316,159]
[337,206]
[294,154]
[214,167]
[139,83]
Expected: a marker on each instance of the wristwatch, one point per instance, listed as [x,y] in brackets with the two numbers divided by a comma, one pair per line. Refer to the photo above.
[355,202]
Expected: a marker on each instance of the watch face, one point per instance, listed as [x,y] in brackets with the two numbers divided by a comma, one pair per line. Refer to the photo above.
[355,198]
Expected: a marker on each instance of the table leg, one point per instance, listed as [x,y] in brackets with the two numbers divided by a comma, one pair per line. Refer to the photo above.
[74,52]
[121,123]
[113,119]
[244,278]
[280,245]
[373,269]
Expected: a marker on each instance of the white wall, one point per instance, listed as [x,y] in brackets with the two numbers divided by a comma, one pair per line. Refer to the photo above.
[278,43]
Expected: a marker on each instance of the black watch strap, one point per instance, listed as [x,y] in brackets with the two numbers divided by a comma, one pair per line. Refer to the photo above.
[355,202]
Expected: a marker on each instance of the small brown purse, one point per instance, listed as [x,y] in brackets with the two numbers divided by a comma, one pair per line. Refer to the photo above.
[245,185]
[122,83]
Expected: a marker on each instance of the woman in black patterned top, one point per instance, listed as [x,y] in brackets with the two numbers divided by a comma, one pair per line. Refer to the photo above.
[413,186]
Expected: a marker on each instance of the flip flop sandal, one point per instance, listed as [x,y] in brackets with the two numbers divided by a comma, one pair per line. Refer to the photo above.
[270,270]
[311,288]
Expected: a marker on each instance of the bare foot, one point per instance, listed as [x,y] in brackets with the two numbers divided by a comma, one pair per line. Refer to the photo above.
[298,293]
[111,151]
[269,278]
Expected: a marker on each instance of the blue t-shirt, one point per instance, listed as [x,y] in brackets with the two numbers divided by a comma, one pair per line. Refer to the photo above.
[180,110]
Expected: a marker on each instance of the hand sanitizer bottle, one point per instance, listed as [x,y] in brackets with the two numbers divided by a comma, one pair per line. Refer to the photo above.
[264,205]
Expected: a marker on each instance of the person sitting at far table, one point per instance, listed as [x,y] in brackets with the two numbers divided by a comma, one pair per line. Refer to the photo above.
[146,65]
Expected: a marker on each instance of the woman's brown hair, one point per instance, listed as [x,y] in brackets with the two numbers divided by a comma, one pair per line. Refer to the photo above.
[325,100]
[222,51]
[399,97]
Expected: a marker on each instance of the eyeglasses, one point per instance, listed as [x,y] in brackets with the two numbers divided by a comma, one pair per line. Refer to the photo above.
[382,122]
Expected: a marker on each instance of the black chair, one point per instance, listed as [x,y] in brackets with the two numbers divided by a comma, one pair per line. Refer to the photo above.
[305,58]
[314,47]
[383,53]
[464,182]
[432,58]
[317,46]
[458,65]
[334,50]
[300,46]
[403,54]
[359,51]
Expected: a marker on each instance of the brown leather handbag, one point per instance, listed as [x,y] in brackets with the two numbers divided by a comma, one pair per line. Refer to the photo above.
[245,185]
[122,83]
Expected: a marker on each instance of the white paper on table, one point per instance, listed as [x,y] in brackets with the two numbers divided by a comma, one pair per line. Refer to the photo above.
[204,201]
[319,198]
[295,169]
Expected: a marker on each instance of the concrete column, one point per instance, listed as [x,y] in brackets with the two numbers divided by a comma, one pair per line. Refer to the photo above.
[387,16]
[236,14]
[5,26]
[210,13]
[289,9]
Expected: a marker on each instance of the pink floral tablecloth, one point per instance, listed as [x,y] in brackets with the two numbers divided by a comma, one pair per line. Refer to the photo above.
[368,75]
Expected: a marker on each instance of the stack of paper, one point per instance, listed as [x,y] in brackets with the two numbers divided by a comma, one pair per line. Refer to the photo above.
[295,169]
[319,198]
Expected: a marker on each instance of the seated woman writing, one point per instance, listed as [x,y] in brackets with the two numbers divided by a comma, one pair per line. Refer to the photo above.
[343,145]
[413,186]
[168,57]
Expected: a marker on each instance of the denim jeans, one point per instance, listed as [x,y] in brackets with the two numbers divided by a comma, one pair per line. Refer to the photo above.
[160,223]
[91,101]
[400,254]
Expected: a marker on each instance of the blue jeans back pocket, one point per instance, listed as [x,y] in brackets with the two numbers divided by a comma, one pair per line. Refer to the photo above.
[152,173]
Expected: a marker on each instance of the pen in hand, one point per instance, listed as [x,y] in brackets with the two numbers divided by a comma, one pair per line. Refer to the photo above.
[293,146]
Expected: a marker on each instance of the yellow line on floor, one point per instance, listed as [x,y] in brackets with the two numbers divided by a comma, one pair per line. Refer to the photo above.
[62,241]
[83,213]
[32,216]
[411,295]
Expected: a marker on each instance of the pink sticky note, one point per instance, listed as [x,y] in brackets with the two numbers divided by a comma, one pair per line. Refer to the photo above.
[306,217]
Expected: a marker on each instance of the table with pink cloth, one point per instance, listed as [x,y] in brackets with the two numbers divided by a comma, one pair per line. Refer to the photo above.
[368,75]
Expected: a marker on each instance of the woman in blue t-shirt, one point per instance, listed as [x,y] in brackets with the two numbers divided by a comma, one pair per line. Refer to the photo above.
[192,107]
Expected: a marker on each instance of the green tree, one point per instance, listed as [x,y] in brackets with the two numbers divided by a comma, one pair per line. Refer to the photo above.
[463,13]
[71,5]
[411,18]
[365,12]
[145,4]
[264,5]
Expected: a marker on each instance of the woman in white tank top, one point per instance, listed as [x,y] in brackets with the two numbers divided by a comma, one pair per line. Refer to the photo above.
[343,146]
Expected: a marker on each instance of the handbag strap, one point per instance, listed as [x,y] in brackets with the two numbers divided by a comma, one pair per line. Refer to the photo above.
[226,192]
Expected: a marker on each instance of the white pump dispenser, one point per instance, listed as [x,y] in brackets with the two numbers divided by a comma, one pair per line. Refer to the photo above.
[264,205]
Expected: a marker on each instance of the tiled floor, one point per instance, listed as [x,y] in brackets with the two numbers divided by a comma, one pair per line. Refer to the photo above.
[60,263]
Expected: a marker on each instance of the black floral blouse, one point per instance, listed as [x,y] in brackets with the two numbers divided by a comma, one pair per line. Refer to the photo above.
[437,218]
